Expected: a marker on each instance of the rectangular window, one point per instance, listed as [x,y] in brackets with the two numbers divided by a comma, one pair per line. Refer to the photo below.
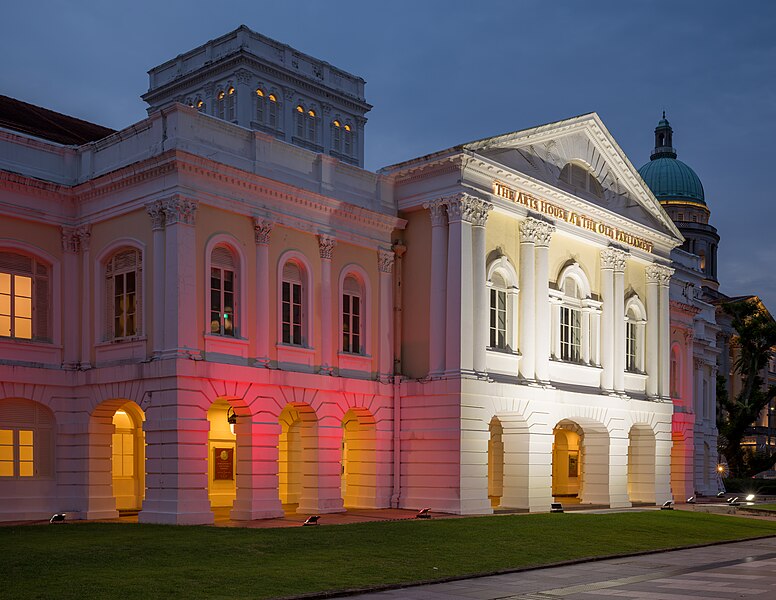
[222,294]
[498,319]
[348,142]
[17,456]
[273,114]
[299,124]
[570,345]
[631,363]
[351,323]
[260,109]
[15,306]
[292,313]
[311,128]
[124,304]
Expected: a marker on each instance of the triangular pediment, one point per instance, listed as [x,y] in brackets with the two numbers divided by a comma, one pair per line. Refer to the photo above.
[542,152]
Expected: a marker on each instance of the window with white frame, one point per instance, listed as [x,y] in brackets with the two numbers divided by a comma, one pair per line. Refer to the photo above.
[576,318]
[352,316]
[498,313]
[123,281]
[292,304]
[223,292]
[570,323]
[635,325]
[502,305]
[24,297]
[26,449]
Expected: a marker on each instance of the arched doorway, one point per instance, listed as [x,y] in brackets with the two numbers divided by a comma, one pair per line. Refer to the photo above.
[495,462]
[641,464]
[359,476]
[128,457]
[222,450]
[297,456]
[566,463]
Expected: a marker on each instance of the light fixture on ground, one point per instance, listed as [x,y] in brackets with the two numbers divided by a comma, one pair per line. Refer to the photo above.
[750,497]
[720,494]
[423,513]
[58,518]
[691,500]
[667,505]
[556,507]
[311,520]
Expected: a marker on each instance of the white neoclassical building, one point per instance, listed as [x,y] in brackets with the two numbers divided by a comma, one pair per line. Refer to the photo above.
[217,308]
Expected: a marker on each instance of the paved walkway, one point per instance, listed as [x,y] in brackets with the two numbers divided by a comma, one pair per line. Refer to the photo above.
[740,570]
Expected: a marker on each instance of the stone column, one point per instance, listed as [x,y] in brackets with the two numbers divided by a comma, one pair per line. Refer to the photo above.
[619,320]
[665,333]
[479,276]
[527,331]
[156,213]
[180,322]
[244,109]
[71,247]
[399,250]
[385,260]
[326,245]
[611,258]
[262,229]
[87,300]
[438,294]
[256,468]
[618,471]
[653,330]
[459,330]
[543,235]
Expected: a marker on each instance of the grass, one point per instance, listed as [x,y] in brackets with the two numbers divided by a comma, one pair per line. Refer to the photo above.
[764,506]
[106,560]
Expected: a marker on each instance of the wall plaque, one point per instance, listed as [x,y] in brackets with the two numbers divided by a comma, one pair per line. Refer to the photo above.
[223,463]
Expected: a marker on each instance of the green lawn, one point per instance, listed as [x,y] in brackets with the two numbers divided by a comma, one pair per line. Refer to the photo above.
[105,560]
[764,506]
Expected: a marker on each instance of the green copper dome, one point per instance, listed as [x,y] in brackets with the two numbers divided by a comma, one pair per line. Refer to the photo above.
[671,179]
[667,177]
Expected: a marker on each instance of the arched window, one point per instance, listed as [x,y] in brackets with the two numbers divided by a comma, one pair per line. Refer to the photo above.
[502,305]
[274,111]
[223,291]
[571,322]
[200,104]
[26,440]
[24,297]
[293,305]
[336,135]
[123,281]
[635,325]
[221,104]
[261,105]
[348,137]
[352,316]
[575,318]
[306,124]
[581,179]
[342,137]
[231,101]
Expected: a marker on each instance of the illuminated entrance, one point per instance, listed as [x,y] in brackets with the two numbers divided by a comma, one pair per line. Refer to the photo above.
[297,455]
[222,454]
[359,476]
[567,462]
[128,457]
[580,462]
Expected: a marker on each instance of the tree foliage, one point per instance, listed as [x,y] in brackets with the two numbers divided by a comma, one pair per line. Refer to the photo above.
[755,339]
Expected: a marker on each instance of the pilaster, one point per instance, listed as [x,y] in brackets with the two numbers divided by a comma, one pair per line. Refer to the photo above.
[262,228]
[385,261]
[71,247]
[84,234]
[479,276]
[438,293]
[653,331]
[326,244]
[155,211]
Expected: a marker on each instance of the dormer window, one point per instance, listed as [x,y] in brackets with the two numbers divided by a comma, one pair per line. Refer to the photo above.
[581,179]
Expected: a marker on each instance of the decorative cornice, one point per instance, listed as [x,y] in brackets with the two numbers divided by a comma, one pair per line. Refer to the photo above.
[536,231]
[155,210]
[179,210]
[385,259]
[437,212]
[71,241]
[659,274]
[262,228]
[326,245]
[614,258]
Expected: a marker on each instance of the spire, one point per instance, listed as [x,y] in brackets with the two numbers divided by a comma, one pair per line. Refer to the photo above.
[663,140]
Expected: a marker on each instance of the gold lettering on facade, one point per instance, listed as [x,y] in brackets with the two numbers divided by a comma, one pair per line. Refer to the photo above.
[561,214]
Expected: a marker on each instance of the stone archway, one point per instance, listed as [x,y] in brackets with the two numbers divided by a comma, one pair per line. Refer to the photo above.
[298,458]
[581,447]
[222,454]
[359,466]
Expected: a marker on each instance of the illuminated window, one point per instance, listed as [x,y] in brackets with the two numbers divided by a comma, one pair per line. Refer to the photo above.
[306,124]
[352,316]
[24,297]
[292,304]
[635,325]
[579,178]
[274,120]
[200,106]
[123,281]
[336,137]
[261,102]
[223,292]
[348,135]
[675,373]
[230,104]
[220,105]
[498,313]
[25,439]
[575,332]
[502,309]
[123,445]
[570,325]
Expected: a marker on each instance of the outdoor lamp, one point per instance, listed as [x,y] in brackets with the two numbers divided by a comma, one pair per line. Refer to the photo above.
[667,505]
[57,518]
[556,507]
[311,520]
[423,513]
[231,418]
[749,497]
[691,500]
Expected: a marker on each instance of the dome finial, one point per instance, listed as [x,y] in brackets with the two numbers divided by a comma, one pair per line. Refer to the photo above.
[663,140]
[664,113]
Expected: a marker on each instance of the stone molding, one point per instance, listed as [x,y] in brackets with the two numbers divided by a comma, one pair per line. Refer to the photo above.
[179,210]
[243,76]
[155,211]
[262,228]
[326,245]
[71,241]
[385,259]
[659,274]
[84,233]
[436,210]
[614,258]
[467,208]
[536,232]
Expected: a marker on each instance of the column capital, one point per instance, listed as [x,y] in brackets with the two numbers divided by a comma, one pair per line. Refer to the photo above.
[659,274]
[436,209]
[155,210]
[262,228]
[698,363]
[614,258]
[71,241]
[399,249]
[468,208]
[84,233]
[385,260]
[243,75]
[326,245]
[178,209]
[536,231]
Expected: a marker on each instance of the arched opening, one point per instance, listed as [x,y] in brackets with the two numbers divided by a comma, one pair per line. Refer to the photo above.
[222,451]
[641,464]
[128,457]
[359,476]
[566,464]
[495,462]
[297,455]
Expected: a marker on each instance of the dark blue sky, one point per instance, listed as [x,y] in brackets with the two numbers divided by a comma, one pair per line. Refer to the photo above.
[442,72]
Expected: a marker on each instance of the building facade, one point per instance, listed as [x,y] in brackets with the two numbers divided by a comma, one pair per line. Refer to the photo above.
[208,310]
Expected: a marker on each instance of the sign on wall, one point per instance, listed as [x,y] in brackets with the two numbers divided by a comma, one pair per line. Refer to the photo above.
[223,463]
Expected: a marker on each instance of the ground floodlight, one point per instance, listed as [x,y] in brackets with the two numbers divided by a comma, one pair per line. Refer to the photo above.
[311,520]
[423,513]
[556,507]
[733,499]
[720,494]
[750,497]
[57,518]
[691,500]
[667,505]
